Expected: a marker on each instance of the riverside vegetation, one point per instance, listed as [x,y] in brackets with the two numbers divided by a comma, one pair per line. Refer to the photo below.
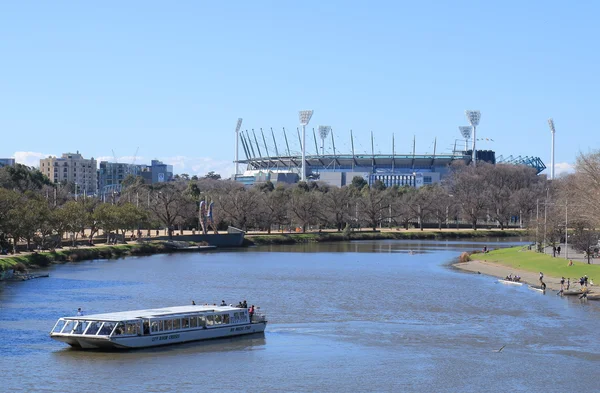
[38,214]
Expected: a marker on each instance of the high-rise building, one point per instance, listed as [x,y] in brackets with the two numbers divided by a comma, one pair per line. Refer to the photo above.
[157,172]
[112,174]
[7,162]
[71,168]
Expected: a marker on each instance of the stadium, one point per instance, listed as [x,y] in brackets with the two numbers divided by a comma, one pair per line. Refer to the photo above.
[339,168]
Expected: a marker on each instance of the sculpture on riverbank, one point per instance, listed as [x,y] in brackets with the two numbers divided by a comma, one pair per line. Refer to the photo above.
[206,217]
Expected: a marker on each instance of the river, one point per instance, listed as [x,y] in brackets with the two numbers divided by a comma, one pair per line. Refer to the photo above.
[382,316]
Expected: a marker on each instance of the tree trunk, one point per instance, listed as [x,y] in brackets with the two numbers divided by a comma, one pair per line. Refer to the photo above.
[475,224]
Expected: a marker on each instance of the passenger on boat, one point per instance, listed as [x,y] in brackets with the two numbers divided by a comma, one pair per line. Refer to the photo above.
[251,312]
[245,304]
[223,303]
[193,303]
[79,312]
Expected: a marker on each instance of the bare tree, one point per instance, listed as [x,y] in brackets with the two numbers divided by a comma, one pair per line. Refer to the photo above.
[372,205]
[170,204]
[467,185]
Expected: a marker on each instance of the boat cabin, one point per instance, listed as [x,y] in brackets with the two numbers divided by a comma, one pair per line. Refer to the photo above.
[153,322]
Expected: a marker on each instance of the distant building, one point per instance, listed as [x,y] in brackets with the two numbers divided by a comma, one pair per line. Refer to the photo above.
[112,174]
[7,162]
[156,172]
[71,168]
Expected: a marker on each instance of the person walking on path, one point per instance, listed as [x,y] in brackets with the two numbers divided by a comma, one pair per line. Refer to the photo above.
[541,277]
[558,250]
[554,251]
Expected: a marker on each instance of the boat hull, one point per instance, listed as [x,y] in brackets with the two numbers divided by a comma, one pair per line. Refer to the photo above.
[506,282]
[155,340]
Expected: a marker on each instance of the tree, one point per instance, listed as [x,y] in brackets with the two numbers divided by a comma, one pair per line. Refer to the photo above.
[304,206]
[358,182]
[238,205]
[336,206]
[584,238]
[372,206]
[22,178]
[170,204]
[212,175]
[467,185]
[129,217]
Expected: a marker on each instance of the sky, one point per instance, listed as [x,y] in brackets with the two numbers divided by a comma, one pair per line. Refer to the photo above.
[140,80]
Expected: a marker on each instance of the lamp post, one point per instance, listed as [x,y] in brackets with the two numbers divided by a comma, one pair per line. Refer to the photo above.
[466,133]
[553,131]
[473,117]
[304,119]
[323,132]
[237,139]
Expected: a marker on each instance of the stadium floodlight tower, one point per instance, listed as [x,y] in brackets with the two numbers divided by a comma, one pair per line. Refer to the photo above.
[237,139]
[473,117]
[466,133]
[304,119]
[553,131]
[323,132]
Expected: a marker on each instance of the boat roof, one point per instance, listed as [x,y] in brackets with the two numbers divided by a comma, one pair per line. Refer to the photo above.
[153,313]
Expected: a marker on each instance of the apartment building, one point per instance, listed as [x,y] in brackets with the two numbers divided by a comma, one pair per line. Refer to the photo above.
[72,168]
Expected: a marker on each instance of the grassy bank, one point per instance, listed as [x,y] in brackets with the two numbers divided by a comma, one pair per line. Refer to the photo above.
[41,259]
[531,261]
[294,238]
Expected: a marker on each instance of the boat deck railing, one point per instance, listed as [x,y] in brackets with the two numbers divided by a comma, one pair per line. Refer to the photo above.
[259,317]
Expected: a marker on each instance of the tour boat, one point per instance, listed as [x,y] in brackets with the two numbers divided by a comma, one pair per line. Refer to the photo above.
[154,327]
[508,282]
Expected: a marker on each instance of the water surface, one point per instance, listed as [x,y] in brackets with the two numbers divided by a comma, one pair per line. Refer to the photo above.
[358,316]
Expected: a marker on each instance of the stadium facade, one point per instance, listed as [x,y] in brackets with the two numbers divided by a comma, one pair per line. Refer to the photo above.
[339,169]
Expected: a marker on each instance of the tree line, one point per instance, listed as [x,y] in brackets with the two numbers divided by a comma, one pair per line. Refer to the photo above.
[39,213]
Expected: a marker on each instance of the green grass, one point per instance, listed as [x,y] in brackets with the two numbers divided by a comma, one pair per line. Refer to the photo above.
[80,254]
[532,261]
[293,238]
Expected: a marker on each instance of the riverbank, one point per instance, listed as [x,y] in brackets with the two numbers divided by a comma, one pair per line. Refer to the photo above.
[528,264]
[318,237]
[36,260]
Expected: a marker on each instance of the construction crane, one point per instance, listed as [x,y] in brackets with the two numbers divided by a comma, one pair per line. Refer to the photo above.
[135,155]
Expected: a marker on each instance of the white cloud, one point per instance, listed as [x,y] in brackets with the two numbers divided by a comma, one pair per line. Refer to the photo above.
[561,168]
[199,165]
[29,158]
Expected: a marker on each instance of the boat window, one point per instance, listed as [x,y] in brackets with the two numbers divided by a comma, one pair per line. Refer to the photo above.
[202,321]
[68,327]
[78,327]
[193,322]
[225,319]
[106,329]
[154,326]
[176,324]
[169,324]
[59,326]
[210,320]
[161,326]
[218,319]
[185,323]
[132,328]
[120,329]
[93,328]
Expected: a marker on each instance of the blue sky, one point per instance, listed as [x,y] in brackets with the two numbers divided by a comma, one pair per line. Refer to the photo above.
[172,79]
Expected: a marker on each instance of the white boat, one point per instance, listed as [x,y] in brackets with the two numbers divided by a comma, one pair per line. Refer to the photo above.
[155,327]
[508,282]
